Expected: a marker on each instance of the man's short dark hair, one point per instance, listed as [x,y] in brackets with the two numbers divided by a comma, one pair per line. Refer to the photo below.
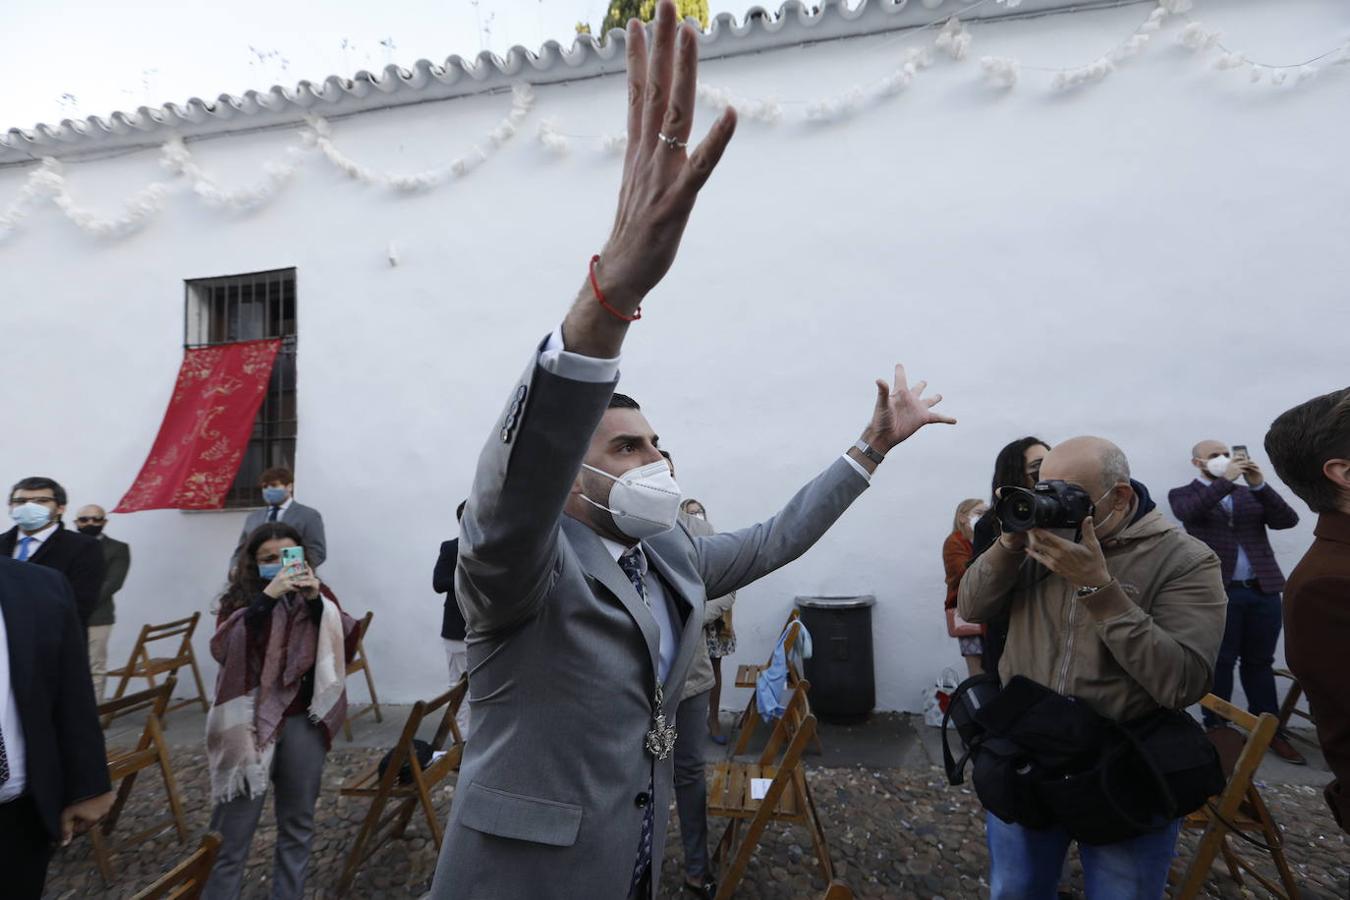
[1300,442]
[276,475]
[39,483]
[623,401]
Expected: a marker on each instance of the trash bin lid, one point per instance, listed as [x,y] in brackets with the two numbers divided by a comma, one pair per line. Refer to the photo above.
[850,601]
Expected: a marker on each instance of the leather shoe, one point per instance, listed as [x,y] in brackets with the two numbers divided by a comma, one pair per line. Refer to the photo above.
[1284,750]
[707,890]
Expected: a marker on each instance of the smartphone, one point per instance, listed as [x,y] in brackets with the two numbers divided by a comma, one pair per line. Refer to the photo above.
[1240,452]
[293,559]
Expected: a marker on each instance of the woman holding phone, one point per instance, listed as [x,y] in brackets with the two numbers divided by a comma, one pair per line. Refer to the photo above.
[283,645]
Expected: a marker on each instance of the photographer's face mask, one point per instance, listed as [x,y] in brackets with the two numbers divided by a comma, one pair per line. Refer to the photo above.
[1099,524]
[644,501]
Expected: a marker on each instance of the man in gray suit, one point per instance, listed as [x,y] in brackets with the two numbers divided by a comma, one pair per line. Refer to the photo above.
[584,605]
[91,520]
[278,490]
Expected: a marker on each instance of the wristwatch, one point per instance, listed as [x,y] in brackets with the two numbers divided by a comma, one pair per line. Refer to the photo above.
[1089,591]
[867,450]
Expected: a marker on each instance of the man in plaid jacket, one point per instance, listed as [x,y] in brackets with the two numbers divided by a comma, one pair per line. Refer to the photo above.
[1232,519]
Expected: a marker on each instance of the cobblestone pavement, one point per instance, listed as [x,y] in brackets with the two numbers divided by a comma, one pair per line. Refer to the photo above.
[894,833]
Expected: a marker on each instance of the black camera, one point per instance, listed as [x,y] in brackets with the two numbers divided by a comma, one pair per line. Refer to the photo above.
[1051,504]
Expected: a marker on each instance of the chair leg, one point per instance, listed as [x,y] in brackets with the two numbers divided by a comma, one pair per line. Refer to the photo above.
[1230,859]
[358,853]
[1274,840]
[818,835]
[197,676]
[1197,873]
[101,857]
[370,684]
[170,783]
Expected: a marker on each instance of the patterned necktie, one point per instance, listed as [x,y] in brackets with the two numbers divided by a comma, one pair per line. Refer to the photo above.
[631,563]
[272,516]
[25,547]
[4,760]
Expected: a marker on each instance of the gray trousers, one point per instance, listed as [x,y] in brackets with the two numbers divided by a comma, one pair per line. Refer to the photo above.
[297,771]
[691,785]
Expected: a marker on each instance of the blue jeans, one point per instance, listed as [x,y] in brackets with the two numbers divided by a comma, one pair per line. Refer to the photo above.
[1249,635]
[1025,864]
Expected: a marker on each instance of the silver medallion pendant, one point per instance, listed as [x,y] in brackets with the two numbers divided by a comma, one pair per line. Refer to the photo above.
[661,739]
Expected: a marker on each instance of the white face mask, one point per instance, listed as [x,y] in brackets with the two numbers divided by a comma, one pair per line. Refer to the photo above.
[644,501]
[1218,465]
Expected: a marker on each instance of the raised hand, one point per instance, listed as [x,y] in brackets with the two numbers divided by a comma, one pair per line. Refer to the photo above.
[661,181]
[900,411]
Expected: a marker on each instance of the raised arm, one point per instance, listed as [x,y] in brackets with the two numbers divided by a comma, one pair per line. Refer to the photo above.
[1190,505]
[731,560]
[509,534]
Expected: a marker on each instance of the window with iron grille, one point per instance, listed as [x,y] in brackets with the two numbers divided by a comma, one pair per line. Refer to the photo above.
[246,308]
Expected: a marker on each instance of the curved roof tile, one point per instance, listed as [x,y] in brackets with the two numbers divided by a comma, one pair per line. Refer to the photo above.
[794,23]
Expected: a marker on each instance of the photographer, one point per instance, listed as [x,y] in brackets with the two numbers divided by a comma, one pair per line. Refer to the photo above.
[1127,621]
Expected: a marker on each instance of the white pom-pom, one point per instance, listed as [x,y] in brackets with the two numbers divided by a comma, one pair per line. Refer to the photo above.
[1001,71]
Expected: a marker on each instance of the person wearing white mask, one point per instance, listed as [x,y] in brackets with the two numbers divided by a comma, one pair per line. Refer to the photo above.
[584,603]
[1233,519]
[957,552]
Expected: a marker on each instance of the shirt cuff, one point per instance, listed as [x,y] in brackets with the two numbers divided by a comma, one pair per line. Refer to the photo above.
[857,467]
[1260,487]
[573,366]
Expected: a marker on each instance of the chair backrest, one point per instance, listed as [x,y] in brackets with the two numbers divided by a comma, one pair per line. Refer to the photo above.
[404,752]
[790,726]
[359,657]
[180,628]
[186,880]
[155,699]
[1260,731]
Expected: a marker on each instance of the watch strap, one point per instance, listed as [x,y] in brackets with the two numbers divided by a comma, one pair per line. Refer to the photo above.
[869,451]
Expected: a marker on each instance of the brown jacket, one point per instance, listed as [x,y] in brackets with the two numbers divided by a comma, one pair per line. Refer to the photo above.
[1316,640]
[1148,639]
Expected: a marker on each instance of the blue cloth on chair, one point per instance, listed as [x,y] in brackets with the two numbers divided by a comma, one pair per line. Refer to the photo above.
[771,685]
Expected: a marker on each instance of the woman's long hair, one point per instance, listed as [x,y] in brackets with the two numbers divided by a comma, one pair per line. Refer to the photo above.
[245,582]
[963,510]
[1010,468]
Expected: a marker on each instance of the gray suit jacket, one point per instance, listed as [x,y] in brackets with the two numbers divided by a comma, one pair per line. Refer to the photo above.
[304,519]
[562,652]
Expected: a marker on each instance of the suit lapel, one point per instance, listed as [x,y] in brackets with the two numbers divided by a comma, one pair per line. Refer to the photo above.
[600,567]
[21,640]
[47,545]
[682,593]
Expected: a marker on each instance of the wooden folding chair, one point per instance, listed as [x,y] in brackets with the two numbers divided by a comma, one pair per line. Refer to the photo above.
[125,764]
[143,665]
[360,664]
[750,719]
[788,798]
[379,825]
[1289,708]
[1238,810]
[186,880]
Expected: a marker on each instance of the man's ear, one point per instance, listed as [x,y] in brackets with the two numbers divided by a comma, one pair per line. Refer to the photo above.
[1338,470]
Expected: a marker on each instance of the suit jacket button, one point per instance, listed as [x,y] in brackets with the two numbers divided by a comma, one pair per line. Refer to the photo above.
[521,392]
[642,799]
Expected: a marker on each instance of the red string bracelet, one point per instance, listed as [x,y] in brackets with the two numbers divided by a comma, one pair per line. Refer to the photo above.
[599,295]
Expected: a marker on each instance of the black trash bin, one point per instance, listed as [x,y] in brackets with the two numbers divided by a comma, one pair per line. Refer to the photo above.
[843,683]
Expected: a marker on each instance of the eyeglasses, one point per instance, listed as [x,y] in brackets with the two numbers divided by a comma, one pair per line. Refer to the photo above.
[16,501]
[89,520]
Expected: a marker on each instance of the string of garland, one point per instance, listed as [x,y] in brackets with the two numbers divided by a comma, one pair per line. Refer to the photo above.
[953,38]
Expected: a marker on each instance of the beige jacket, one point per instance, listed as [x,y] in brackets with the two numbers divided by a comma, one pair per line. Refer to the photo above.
[700,670]
[1148,639]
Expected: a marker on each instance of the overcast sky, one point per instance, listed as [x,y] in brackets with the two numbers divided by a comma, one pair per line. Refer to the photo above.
[120,55]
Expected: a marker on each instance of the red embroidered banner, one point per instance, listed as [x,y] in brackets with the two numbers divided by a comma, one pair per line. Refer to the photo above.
[206,428]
